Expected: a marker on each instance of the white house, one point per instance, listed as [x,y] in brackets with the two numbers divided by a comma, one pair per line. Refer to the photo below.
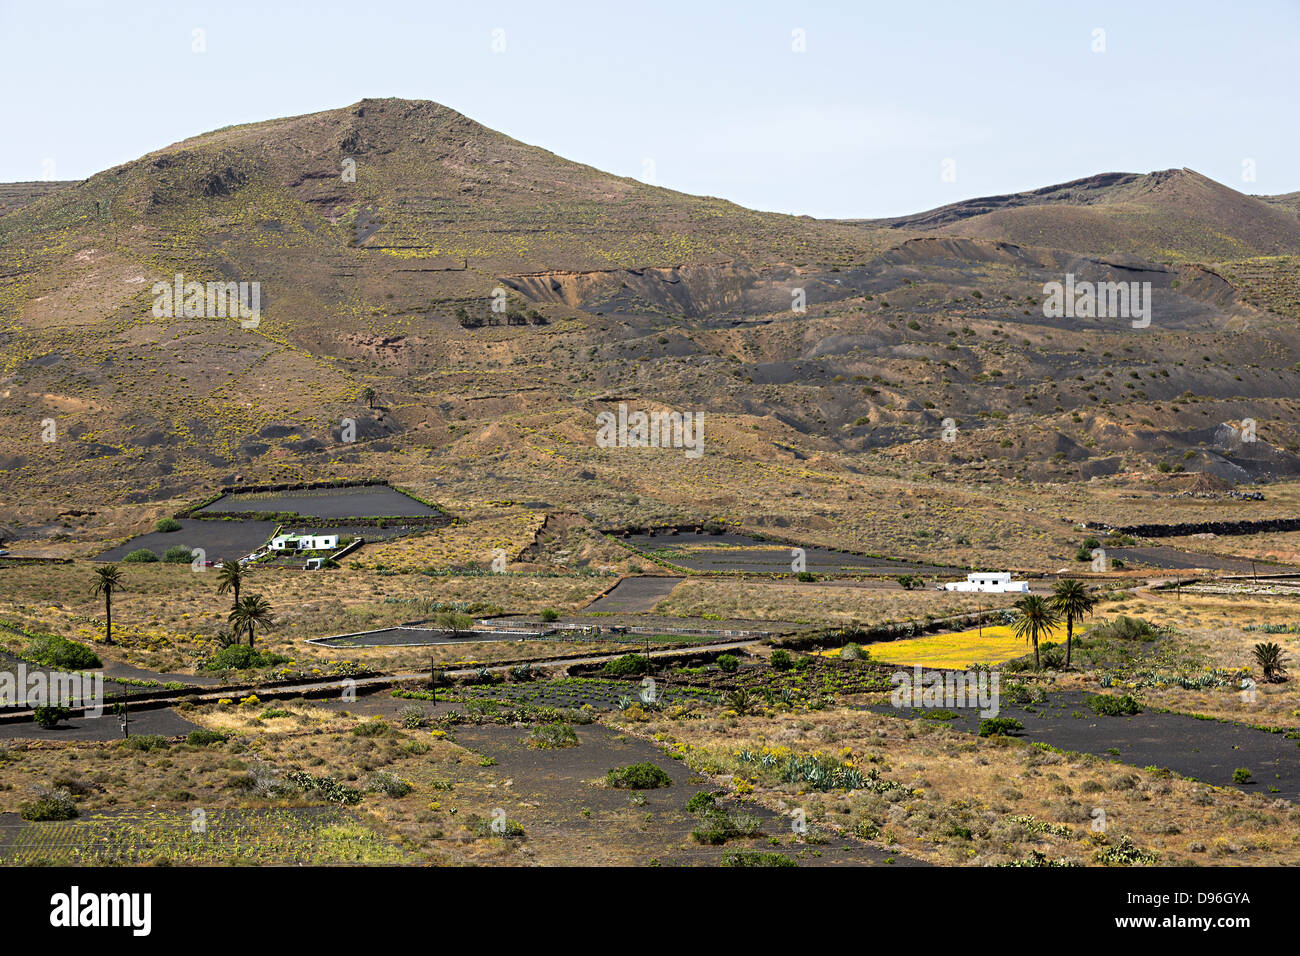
[304,542]
[991,582]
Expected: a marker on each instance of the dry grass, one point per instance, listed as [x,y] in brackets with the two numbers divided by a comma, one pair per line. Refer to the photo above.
[962,784]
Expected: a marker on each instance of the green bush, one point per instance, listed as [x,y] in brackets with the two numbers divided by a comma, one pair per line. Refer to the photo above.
[239,657]
[53,805]
[1124,628]
[629,665]
[854,652]
[756,858]
[389,785]
[999,726]
[506,830]
[53,650]
[140,555]
[781,659]
[806,576]
[146,742]
[167,525]
[729,663]
[178,554]
[375,727]
[555,736]
[638,776]
[204,737]
[717,826]
[1241,775]
[704,800]
[549,615]
[327,787]
[50,715]
[1106,705]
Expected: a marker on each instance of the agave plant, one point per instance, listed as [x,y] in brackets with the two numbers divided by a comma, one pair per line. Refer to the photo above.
[740,701]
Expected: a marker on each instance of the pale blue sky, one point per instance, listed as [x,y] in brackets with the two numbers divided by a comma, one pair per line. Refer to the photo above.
[859,125]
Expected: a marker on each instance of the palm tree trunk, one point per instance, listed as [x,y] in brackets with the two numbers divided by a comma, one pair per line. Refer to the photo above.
[108,618]
[250,633]
[1069,633]
[1038,665]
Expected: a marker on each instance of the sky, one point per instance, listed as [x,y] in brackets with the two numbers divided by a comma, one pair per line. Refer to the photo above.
[844,110]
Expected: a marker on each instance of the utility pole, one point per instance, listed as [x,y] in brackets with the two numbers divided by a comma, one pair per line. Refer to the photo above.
[123,714]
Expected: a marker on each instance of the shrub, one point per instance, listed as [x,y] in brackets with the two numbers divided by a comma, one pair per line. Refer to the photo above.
[52,650]
[1124,853]
[806,576]
[729,663]
[49,805]
[638,776]
[327,787]
[375,727]
[1241,775]
[390,785]
[739,700]
[146,742]
[412,716]
[271,713]
[178,554]
[854,652]
[554,736]
[140,555]
[910,582]
[717,826]
[1124,628]
[204,737]
[702,801]
[498,827]
[1106,705]
[629,665]
[999,726]
[50,715]
[781,659]
[756,858]
[167,525]
[238,657]
[549,615]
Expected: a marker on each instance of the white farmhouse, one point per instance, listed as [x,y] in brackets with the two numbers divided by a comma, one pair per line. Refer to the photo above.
[990,582]
[304,542]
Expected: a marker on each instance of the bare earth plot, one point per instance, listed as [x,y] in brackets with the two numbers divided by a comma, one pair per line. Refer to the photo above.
[220,540]
[633,595]
[1166,557]
[370,501]
[737,552]
[1205,750]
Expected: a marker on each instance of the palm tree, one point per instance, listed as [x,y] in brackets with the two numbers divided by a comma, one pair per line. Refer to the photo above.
[1269,658]
[230,578]
[1071,600]
[368,395]
[108,581]
[1036,619]
[250,612]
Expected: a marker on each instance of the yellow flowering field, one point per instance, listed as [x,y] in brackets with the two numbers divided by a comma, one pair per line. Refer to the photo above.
[958,648]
